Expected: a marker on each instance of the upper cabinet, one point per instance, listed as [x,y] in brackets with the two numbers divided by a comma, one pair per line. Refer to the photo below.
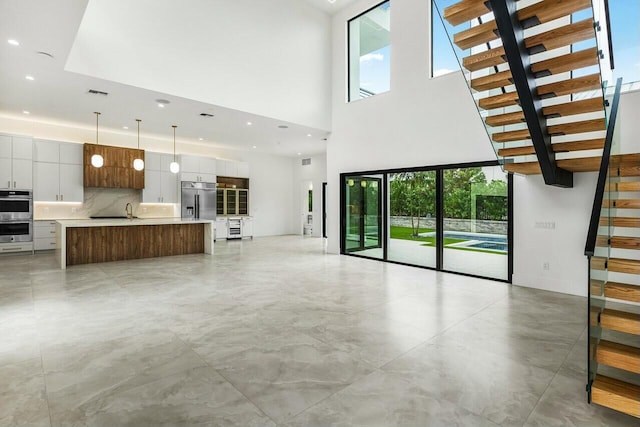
[57,171]
[232,168]
[16,153]
[195,168]
[117,171]
[161,185]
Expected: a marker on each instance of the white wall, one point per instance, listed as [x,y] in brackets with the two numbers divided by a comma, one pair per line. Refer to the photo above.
[628,125]
[269,58]
[563,246]
[316,174]
[420,121]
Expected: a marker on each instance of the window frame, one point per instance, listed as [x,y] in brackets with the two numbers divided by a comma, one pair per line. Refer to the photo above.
[348,51]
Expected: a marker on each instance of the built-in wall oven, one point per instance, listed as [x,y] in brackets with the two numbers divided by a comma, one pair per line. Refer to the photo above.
[16,216]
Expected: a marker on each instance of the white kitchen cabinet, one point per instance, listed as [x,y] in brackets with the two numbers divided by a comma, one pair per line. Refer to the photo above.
[58,172]
[16,153]
[44,235]
[247,226]
[222,228]
[232,168]
[160,184]
[199,169]
[243,170]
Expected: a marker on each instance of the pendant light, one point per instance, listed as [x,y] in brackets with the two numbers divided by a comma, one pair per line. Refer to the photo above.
[97,160]
[174,166]
[138,164]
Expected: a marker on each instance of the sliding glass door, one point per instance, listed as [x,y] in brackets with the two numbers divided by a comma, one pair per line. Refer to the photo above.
[412,218]
[363,215]
[476,221]
[445,217]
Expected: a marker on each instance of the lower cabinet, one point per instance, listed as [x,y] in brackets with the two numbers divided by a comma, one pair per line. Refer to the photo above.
[7,248]
[44,235]
[222,228]
[247,227]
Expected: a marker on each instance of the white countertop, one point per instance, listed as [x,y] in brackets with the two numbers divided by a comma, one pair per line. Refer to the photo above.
[117,222]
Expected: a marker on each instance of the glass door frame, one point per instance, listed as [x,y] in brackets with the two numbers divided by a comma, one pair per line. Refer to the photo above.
[382,210]
[439,214]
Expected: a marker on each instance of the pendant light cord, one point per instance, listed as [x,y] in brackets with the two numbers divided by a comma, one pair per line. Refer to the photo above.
[138,120]
[174,142]
[97,115]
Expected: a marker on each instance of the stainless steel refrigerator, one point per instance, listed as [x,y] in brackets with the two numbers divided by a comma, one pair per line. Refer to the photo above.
[198,200]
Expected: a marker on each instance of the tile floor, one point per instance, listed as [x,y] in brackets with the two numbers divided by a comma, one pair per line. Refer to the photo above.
[274,332]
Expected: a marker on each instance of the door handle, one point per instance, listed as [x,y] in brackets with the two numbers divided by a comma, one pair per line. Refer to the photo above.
[62,197]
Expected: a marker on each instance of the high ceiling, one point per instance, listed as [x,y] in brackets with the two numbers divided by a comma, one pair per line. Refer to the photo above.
[47,32]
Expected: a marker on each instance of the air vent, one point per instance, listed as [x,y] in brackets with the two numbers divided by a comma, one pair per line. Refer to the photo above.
[306,162]
[206,115]
[97,92]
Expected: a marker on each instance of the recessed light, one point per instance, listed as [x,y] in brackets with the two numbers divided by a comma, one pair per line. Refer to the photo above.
[249,123]
[200,139]
[29,78]
[309,134]
[161,105]
[13,42]
[25,112]
[125,127]
[299,154]
[162,102]
[255,146]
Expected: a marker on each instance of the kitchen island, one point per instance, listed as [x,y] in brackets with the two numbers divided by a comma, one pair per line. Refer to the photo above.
[85,241]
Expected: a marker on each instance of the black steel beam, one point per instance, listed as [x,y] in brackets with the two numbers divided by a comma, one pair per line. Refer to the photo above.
[511,32]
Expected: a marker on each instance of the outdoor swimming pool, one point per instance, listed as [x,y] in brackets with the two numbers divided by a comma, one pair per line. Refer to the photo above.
[491,242]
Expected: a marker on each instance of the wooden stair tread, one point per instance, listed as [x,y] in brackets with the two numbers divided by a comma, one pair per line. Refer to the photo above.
[569,86]
[577,127]
[465,10]
[505,119]
[513,135]
[564,63]
[499,101]
[629,171]
[559,110]
[560,147]
[485,59]
[621,221]
[492,81]
[622,291]
[619,356]
[548,10]
[615,394]
[583,164]
[618,242]
[621,265]
[620,321]
[562,36]
[621,203]
[627,186]
[571,108]
[476,35]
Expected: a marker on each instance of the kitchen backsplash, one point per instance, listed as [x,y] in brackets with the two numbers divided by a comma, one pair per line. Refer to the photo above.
[103,202]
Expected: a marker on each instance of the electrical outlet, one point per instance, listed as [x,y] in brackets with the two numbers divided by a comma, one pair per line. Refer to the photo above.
[545,266]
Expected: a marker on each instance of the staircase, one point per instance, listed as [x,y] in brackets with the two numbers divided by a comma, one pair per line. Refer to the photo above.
[537,86]
[535,69]
[614,300]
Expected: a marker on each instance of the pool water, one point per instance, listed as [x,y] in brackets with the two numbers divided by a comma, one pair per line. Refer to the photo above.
[502,247]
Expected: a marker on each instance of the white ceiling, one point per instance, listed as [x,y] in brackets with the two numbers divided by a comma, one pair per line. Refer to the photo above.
[59,96]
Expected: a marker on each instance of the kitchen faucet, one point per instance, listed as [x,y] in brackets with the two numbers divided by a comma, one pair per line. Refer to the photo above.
[129,209]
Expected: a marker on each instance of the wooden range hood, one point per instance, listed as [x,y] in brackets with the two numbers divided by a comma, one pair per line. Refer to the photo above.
[117,171]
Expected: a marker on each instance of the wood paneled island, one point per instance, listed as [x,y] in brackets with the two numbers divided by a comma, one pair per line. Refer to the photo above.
[97,240]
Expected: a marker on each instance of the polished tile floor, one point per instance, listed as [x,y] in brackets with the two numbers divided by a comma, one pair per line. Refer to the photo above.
[274,332]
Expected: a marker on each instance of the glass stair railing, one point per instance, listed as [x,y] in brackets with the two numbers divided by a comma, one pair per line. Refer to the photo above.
[565,47]
[613,250]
